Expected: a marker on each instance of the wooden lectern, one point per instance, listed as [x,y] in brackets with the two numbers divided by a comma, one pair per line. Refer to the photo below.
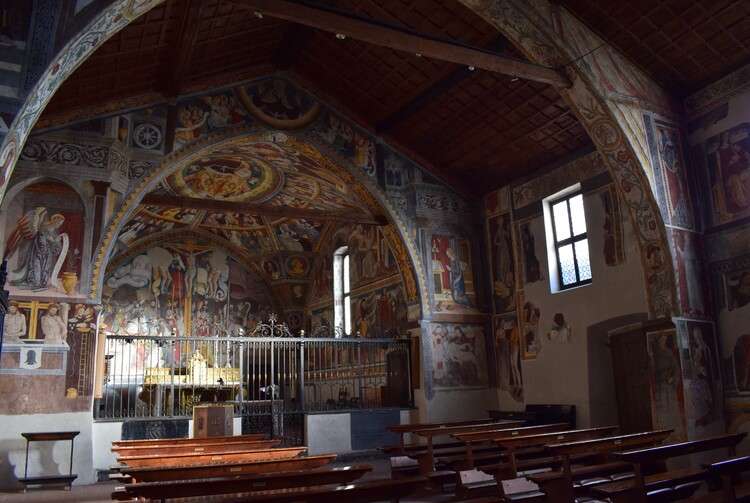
[213,421]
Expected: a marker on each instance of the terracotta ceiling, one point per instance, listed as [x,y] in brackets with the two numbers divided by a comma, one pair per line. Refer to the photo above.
[476,130]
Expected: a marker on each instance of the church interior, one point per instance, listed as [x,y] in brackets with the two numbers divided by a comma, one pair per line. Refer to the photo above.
[324,218]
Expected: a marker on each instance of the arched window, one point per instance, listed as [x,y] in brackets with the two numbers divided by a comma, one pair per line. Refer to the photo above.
[342,302]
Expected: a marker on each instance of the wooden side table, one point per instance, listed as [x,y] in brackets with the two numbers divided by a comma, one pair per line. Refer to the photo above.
[48,479]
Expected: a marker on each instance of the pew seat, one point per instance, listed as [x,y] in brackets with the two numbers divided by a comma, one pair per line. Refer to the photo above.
[561,485]
[652,481]
[187,441]
[197,471]
[192,458]
[162,491]
[732,488]
[359,492]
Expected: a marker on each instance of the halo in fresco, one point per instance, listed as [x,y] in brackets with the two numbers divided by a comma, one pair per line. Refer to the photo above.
[228,176]
[279,103]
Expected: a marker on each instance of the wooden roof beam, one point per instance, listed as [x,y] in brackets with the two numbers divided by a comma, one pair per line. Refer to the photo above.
[181,49]
[295,42]
[263,210]
[437,89]
[403,39]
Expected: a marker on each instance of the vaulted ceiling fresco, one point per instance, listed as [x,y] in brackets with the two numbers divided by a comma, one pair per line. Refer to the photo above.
[280,197]
[244,223]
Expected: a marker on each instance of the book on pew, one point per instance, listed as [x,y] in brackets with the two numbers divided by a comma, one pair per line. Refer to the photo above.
[519,489]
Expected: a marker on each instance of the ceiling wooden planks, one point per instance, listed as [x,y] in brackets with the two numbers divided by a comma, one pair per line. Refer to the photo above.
[478,129]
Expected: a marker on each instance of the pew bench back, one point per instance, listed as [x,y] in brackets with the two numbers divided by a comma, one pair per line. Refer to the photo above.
[650,468]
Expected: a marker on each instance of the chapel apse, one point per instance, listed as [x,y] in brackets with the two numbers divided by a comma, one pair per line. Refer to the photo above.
[269,204]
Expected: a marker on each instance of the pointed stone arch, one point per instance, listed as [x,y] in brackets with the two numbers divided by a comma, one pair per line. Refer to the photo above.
[399,240]
[531,26]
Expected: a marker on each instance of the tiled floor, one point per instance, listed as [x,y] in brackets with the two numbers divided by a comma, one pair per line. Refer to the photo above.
[100,493]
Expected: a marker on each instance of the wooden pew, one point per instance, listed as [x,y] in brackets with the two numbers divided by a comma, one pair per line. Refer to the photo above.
[560,485]
[187,448]
[467,460]
[732,489]
[651,474]
[360,492]
[540,413]
[206,470]
[515,445]
[403,429]
[161,491]
[427,457]
[187,441]
[398,450]
[489,477]
[211,457]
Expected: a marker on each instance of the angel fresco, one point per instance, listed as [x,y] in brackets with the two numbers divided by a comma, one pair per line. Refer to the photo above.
[41,249]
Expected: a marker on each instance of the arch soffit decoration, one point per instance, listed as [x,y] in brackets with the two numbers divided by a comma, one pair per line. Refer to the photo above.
[367,194]
[108,22]
[522,24]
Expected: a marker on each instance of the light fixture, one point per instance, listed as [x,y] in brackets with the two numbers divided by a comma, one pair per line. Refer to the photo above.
[471,68]
[258,15]
[340,36]
[418,54]
[514,79]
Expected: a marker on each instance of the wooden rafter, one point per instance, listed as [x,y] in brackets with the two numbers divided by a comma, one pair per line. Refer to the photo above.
[438,88]
[401,39]
[295,42]
[181,49]
[263,210]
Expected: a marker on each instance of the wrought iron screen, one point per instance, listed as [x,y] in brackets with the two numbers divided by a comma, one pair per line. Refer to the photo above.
[270,376]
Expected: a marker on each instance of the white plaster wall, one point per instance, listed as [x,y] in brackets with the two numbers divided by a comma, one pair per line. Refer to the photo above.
[560,373]
[411,416]
[457,405]
[103,434]
[328,433]
[45,458]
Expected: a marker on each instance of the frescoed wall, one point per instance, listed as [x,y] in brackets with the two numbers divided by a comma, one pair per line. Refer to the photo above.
[665,380]
[540,336]
[452,273]
[508,355]
[188,272]
[728,160]
[44,241]
[378,299]
[503,263]
[47,364]
[701,371]
[459,357]
[718,139]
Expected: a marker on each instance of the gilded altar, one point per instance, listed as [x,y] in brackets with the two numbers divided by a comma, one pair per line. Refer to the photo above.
[174,391]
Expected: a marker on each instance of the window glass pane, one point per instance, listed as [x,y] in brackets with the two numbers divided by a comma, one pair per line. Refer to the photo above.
[582,255]
[577,216]
[347,315]
[567,264]
[346,273]
[562,225]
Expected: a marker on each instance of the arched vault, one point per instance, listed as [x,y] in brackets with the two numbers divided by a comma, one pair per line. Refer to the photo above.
[246,192]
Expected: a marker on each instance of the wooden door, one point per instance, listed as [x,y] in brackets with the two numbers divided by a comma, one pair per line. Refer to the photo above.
[630,365]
